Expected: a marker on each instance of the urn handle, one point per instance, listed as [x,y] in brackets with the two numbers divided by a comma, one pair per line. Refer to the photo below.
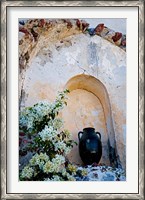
[80,134]
[99,134]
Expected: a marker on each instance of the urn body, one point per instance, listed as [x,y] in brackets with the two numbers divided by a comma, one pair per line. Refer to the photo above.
[90,146]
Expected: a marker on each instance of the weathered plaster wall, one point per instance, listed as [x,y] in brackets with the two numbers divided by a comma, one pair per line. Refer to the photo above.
[56,62]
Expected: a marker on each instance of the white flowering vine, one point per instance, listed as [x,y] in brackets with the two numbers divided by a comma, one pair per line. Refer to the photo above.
[49,143]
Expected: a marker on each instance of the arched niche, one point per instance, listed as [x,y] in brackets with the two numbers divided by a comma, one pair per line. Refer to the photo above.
[96,87]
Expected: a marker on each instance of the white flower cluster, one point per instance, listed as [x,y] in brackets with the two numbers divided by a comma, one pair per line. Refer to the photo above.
[55,165]
[58,159]
[48,133]
[56,123]
[27,172]
[39,159]
[30,115]
[65,175]
[44,163]
[67,150]
[42,108]
[60,145]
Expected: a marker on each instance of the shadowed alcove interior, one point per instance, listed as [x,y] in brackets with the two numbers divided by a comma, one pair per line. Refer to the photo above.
[89,106]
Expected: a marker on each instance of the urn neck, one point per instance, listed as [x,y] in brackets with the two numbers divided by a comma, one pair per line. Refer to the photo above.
[89,130]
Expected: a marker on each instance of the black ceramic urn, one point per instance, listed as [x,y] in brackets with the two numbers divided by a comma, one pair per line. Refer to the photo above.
[90,146]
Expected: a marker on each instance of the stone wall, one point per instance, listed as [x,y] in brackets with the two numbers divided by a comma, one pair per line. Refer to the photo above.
[92,68]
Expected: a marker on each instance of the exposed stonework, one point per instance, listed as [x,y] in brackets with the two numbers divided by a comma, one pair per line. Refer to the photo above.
[33,34]
[54,53]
